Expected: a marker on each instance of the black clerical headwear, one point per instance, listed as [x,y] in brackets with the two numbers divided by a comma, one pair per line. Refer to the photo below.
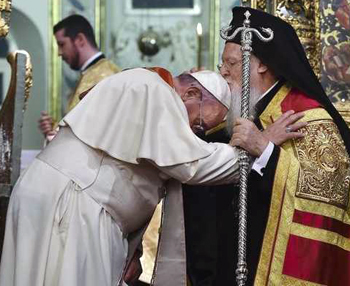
[285,56]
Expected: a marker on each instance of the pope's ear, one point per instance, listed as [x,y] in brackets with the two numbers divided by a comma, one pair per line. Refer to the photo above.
[192,93]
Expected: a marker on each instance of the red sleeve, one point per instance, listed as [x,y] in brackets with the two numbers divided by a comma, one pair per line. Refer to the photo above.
[298,101]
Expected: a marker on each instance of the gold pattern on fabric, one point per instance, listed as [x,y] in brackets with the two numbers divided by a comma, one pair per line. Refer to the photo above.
[94,74]
[273,110]
[325,173]
[323,209]
[284,201]
[270,114]
[322,235]
[286,214]
[266,255]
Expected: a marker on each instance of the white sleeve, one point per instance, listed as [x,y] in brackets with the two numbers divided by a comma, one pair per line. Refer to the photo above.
[220,167]
[261,161]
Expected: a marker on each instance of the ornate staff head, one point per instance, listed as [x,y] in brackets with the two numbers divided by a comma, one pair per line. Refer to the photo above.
[229,34]
[5,13]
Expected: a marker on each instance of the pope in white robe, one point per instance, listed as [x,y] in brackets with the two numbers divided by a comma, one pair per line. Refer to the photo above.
[77,213]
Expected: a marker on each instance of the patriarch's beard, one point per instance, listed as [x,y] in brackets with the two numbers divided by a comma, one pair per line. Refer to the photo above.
[235,110]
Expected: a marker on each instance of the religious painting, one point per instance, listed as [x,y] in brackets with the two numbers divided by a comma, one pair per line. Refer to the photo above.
[335,41]
[323,27]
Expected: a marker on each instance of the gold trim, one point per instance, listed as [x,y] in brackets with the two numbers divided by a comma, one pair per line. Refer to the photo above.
[322,209]
[274,217]
[286,164]
[28,81]
[254,4]
[216,128]
[214,33]
[286,213]
[55,65]
[274,107]
[321,235]
[318,47]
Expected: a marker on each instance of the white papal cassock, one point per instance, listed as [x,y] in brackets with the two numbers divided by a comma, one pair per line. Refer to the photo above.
[76,211]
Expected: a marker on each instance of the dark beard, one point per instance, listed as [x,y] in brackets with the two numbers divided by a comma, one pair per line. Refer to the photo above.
[74,65]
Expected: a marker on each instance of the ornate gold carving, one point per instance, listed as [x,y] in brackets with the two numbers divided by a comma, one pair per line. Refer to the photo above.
[5,12]
[303,15]
[11,58]
[214,37]
[324,173]
[257,4]
[261,4]
[335,44]
[28,77]
[9,114]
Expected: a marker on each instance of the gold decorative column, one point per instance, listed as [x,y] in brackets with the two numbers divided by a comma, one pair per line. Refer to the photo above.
[304,16]
[5,12]
[55,66]
[214,34]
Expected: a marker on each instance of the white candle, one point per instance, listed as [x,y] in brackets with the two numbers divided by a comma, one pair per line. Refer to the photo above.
[199,40]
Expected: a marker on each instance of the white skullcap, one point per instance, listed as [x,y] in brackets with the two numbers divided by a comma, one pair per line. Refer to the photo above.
[215,84]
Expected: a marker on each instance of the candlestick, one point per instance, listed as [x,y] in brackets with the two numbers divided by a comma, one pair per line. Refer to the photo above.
[199,45]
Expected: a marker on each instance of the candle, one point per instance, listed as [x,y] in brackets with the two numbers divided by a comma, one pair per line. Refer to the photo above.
[199,46]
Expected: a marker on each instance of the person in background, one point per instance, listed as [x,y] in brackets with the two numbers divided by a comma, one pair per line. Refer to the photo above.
[78,48]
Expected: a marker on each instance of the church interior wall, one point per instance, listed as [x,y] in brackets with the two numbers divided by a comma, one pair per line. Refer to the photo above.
[29,31]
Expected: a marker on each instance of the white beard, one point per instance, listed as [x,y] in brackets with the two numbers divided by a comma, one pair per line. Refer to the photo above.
[235,110]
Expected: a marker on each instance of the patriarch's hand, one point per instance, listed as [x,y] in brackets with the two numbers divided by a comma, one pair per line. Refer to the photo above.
[247,136]
[285,128]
